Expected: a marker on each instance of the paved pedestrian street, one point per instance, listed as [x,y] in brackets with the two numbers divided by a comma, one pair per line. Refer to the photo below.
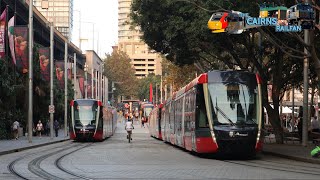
[146,158]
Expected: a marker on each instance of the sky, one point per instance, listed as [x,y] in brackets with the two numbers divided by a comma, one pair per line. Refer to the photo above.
[99,25]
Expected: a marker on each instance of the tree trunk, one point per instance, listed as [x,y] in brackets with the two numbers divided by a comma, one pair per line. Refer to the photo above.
[276,123]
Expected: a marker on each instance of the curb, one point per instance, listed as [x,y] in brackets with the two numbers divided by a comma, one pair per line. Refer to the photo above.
[31,147]
[292,157]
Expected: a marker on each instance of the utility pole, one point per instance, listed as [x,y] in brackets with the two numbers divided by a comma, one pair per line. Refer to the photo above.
[156,101]
[305,88]
[161,90]
[92,85]
[51,78]
[86,68]
[75,75]
[30,108]
[65,88]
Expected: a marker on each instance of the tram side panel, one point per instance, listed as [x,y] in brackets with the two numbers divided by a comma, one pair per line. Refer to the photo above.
[240,133]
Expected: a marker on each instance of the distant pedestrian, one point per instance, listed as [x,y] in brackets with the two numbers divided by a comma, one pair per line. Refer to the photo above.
[300,121]
[39,128]
[142,121]
[56,127]
[15,129]
[315,124]
[47,128]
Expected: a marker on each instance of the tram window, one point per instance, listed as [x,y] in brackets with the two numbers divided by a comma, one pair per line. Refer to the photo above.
[201,110]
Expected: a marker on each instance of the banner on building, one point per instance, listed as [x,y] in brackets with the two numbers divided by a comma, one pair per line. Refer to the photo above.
[11,38]
[81,85]
[69,69]
[21,48]
[44,56]
[150,92]
[60,73]
[2,33]
[89,84]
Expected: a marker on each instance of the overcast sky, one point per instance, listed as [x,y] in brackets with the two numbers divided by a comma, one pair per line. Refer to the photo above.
[100,16]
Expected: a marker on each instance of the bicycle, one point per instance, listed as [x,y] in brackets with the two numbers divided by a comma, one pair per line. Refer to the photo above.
[129,136]
[129,128]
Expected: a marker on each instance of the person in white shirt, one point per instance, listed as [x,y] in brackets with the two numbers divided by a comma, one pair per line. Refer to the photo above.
[129,127]
[15,128]
[39,128]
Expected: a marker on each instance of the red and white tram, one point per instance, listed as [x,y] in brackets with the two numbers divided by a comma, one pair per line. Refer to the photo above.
[218,112]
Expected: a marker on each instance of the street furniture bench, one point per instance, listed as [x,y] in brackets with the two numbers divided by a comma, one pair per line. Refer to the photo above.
[291,137]
[315,136]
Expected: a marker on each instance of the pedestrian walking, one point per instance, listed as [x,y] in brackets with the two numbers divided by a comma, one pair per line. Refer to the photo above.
[142,121]
[15,129]
[47,128]
[39,128]
[300,120]
[315,124]
[56,127]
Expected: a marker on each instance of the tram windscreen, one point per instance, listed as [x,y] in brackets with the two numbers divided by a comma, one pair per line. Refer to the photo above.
[233,103]
[85,113]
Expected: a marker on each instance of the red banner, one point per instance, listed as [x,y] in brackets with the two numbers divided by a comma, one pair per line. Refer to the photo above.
[11,38]
[150,92]
[89,85]
[60,73]
[2,33]
[21,48]
[81,85]
[44,55]
[70,74]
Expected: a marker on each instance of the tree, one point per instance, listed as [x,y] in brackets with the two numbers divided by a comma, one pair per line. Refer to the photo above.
[178,76]
[179,30]
[120,71]
[144,86]
[14,95]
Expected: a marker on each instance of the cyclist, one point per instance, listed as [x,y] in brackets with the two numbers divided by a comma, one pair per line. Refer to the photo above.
[128,127]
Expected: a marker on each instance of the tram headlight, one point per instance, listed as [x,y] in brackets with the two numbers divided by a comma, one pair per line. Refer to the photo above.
[258,136]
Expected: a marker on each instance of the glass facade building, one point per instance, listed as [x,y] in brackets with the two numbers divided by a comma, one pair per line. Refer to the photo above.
[60,12]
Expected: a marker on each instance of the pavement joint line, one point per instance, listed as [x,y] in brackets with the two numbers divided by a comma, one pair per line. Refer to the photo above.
[31,147]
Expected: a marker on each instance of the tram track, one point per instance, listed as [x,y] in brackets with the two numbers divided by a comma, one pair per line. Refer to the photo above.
[11,166]
[59,166]
[35,168]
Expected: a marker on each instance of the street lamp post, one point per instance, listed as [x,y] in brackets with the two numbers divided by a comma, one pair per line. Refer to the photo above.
[292,119]
[86,67]
[30,99]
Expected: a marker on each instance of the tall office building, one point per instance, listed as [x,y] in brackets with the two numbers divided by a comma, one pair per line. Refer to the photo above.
[143,59]
[60,12]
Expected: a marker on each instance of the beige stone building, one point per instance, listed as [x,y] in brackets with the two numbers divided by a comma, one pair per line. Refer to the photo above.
[143,59]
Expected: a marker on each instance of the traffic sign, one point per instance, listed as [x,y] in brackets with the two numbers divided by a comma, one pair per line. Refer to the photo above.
[51,109]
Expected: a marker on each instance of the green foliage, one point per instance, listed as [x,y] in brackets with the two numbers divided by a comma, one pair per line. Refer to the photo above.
[119,70]
[8,94]
[178,29]
[176,75]
[144,86]
[14,96]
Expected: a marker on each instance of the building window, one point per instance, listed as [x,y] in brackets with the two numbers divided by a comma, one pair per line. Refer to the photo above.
[150,65]
[139,59]
[136,65]
[150,59]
